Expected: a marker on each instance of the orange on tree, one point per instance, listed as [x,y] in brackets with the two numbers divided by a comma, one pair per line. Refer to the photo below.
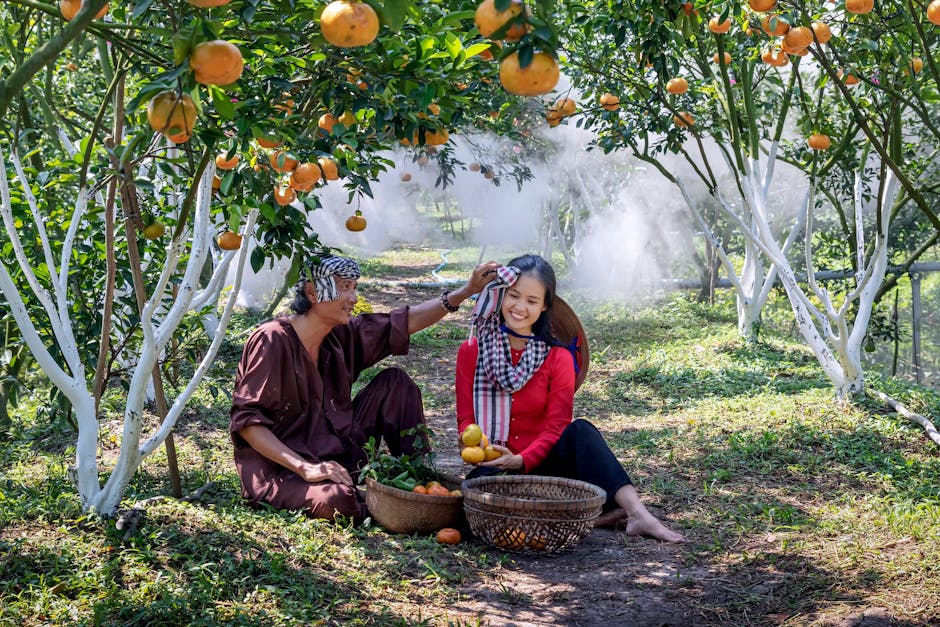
[154,230]
[859,6]
[798,37]
[773,57]
[229,240]
[216,182]
[472,454]
[715,25]
[762,5]
[566,106]
[933,12]
[915,65]
[282,161]
[268,142]
[539,77]
[774,25]
[216,62]
[347,119]
[173,115]
[818,141]
[800,52]
[489,174]
[434,108]
[355,223]
[683,119]
[70,9]
[849,79]
[222,162]
[327,122]
[208,4]
[405,177]
[329,168]
[677,85]
[349,24]
[727,58]
[489,20]
[436,138]
[822,31]
[474,167]
[284,196]
[609,102]
[305,176]
[448,535]
[423,160]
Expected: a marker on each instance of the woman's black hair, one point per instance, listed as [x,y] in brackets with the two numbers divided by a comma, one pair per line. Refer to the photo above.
[301,304]
[537,267]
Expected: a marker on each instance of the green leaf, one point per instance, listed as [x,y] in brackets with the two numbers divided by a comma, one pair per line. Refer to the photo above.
[525,56]
[393,13]
[453,45]
[183,42]
[222,102]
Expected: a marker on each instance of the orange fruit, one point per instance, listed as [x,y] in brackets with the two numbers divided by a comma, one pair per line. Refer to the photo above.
[915,65]
[268,142]
[434,108]
[224,163]
[472,454]
[472,435]
[849,79]
[216,62]
[822,31]
[683,119]
[717,26]
[537,542]
[484,442]
[776,58]
[436,138]
[208,4]
[610,102]
[229,240]
[327,122]
[70,9]
[489,174]
[438,490]
[281,161]
[677,85]
[489,20]
[329,168]
[349,24]
[447,535]
[490,453]
[216,182]
[456,492]
[172,115]
[538,78]
[762,5]
[347,119]
[859,6]
[553,116]
[933,12]
[154,230]
[727,58]
[419,489]
[774,25]
[305,176]
[566,106]
[355,223]
[423,160]
[510,538]
[405,177]
[818,141]
[284,196]
[798,37]
[474,167]
[800,52]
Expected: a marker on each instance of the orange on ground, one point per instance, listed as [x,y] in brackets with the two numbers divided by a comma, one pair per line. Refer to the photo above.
[822,31]
[216,62]
[349,24]
[859,6]
[683,119]
[229,241]
[538,78]
[775,25]
[281,161]
[172,115]
[330,170]
[447,535]
[284,195]
[489,20]
[610,102]
[70,9]
[355,223]
[677,85]
[818,141]
[762,5]
[472,454]
[224,163]
[717,26]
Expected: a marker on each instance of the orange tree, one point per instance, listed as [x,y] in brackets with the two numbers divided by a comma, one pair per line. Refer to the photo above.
[134,112]
[755,86]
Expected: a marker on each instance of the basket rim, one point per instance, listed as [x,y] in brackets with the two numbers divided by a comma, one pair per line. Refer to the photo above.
[372,484]
[473,493]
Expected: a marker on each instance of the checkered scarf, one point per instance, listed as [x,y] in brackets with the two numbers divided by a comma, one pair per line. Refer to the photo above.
[322,276]
[496,378]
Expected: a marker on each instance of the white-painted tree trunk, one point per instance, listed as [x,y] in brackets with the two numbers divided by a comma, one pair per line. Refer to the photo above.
[158,328]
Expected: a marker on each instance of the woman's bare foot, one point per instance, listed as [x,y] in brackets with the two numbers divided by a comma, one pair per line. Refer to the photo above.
[612,518]
[645,524]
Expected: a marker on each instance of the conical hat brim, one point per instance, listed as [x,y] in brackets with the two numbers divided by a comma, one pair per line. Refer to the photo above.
[565,327]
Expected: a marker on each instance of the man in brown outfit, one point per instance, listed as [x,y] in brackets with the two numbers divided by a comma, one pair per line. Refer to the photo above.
[298,432]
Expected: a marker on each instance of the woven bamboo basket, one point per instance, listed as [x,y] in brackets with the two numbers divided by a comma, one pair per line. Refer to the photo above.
[401,511]
[530,513]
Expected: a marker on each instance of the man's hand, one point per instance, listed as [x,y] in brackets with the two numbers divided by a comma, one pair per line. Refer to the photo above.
[325,471]
[481,275]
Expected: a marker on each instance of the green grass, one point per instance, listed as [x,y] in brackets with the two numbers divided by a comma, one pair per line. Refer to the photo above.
[739,446]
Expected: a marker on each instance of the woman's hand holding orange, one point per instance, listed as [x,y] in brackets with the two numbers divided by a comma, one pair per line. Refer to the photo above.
[506,461]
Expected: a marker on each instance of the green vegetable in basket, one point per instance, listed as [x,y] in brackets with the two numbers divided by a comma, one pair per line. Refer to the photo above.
[403,472]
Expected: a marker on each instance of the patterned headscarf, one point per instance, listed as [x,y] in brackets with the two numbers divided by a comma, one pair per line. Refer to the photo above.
[496,378]
[322,276]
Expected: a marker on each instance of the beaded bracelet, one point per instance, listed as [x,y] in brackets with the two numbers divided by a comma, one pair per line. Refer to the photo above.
[446,303]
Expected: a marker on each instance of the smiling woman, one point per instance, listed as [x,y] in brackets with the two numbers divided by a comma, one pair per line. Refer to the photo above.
[298,431]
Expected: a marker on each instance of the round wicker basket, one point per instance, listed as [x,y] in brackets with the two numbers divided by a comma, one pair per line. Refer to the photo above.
[400,511]
[530,513]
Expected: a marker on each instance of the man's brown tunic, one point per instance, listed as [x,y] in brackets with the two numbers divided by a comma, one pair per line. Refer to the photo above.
[310,408]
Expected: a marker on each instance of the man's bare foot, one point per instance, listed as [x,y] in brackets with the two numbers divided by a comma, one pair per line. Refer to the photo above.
[645,524]
[612,518]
